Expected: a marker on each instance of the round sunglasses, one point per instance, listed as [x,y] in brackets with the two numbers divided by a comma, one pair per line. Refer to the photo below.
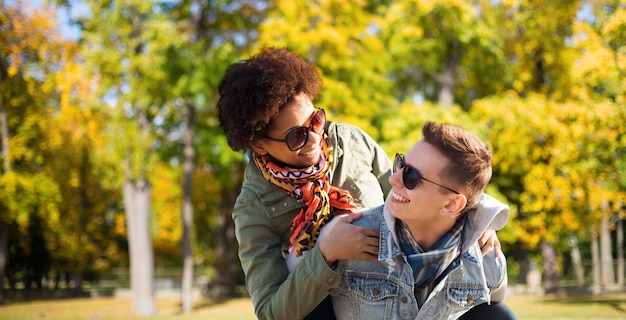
[296,138]
[411,176]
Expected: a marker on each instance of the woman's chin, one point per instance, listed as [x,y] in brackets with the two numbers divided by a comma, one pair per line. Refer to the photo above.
[312,157]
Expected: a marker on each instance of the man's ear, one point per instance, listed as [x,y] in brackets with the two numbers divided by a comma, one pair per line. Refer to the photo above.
[259,147]
[455,205]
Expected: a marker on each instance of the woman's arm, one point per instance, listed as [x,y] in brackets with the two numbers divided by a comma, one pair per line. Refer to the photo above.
[275,293]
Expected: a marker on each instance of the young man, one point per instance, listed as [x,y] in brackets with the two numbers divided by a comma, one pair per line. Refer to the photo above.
[429,261]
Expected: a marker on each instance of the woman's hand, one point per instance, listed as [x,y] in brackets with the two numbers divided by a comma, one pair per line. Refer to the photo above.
[346,241]
[487,241]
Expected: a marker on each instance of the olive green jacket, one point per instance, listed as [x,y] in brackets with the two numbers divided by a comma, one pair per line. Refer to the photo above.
[263,214]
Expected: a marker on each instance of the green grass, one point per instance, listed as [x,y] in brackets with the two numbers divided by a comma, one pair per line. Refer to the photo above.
[525,307]
[121,309]
[569,307]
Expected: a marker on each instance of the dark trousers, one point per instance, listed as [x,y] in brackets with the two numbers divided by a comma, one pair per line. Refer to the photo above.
[493,311]
[324,311]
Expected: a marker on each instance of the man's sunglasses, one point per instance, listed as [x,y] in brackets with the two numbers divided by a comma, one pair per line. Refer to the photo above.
[411,176]
[296,138]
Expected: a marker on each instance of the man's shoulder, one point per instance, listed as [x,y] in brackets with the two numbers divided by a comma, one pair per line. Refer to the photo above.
[371,217]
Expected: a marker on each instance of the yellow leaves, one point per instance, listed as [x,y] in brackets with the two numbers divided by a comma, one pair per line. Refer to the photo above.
[426,6]
[569,220]
[74,178]
[335,28]
[167,203]
[32,33]
[534,229]
[24,195]
[614,30]
[52,177]
[593,65]
[549,191]
[600,65]
[564,154]
[120,224]
[599,196]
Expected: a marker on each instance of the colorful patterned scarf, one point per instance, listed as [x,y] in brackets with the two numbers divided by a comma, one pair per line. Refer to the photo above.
[310,186]
[429,265]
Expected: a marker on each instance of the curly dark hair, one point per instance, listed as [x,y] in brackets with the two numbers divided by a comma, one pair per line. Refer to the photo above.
[253,91]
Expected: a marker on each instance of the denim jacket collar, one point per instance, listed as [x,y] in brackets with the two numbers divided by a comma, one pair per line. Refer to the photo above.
[389,246]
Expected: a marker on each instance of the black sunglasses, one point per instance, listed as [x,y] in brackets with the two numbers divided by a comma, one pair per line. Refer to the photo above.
[410,175]
[296,138]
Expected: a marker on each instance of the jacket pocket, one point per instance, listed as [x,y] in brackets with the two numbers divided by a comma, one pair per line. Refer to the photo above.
[466,297]
[371,298]
[372,288]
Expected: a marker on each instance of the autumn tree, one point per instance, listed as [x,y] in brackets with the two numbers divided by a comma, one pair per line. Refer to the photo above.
[27,194]
[215,35]
[445,51]
[599,74]
[52,197]
[538,61]
[124,45]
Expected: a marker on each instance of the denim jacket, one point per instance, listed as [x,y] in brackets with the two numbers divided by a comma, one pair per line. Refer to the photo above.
[263,214]
[384,289]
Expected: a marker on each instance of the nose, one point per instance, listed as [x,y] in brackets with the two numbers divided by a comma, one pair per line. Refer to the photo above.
[314,137]
[395,179]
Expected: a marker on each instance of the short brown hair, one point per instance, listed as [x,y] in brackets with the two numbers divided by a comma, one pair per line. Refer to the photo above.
[470,158]
[253,91]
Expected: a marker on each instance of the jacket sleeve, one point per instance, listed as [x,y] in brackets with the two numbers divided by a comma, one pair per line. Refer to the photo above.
[499,293]
[275,293]
[364,168]
[382,167]
[499,264]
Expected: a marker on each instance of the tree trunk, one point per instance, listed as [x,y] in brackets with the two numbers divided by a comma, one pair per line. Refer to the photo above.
[4,254]
[227,266]
[550,269]
[524,264]
[77,277]
[447,78]
[606,258]
[595,261]
[4,132]
[137,208]
[619,243]
[188,167]
[576,259]
[4,227]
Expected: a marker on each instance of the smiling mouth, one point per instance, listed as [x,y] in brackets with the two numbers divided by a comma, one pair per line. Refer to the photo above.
[400,198]
[309,153]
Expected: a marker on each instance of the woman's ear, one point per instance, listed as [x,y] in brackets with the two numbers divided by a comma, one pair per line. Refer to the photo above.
[259,147]
[455,205]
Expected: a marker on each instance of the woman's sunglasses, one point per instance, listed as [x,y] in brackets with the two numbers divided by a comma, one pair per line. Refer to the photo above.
[296,138]
[411,176]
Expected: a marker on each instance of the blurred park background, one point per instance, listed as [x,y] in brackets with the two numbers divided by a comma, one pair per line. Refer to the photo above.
[116,179]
